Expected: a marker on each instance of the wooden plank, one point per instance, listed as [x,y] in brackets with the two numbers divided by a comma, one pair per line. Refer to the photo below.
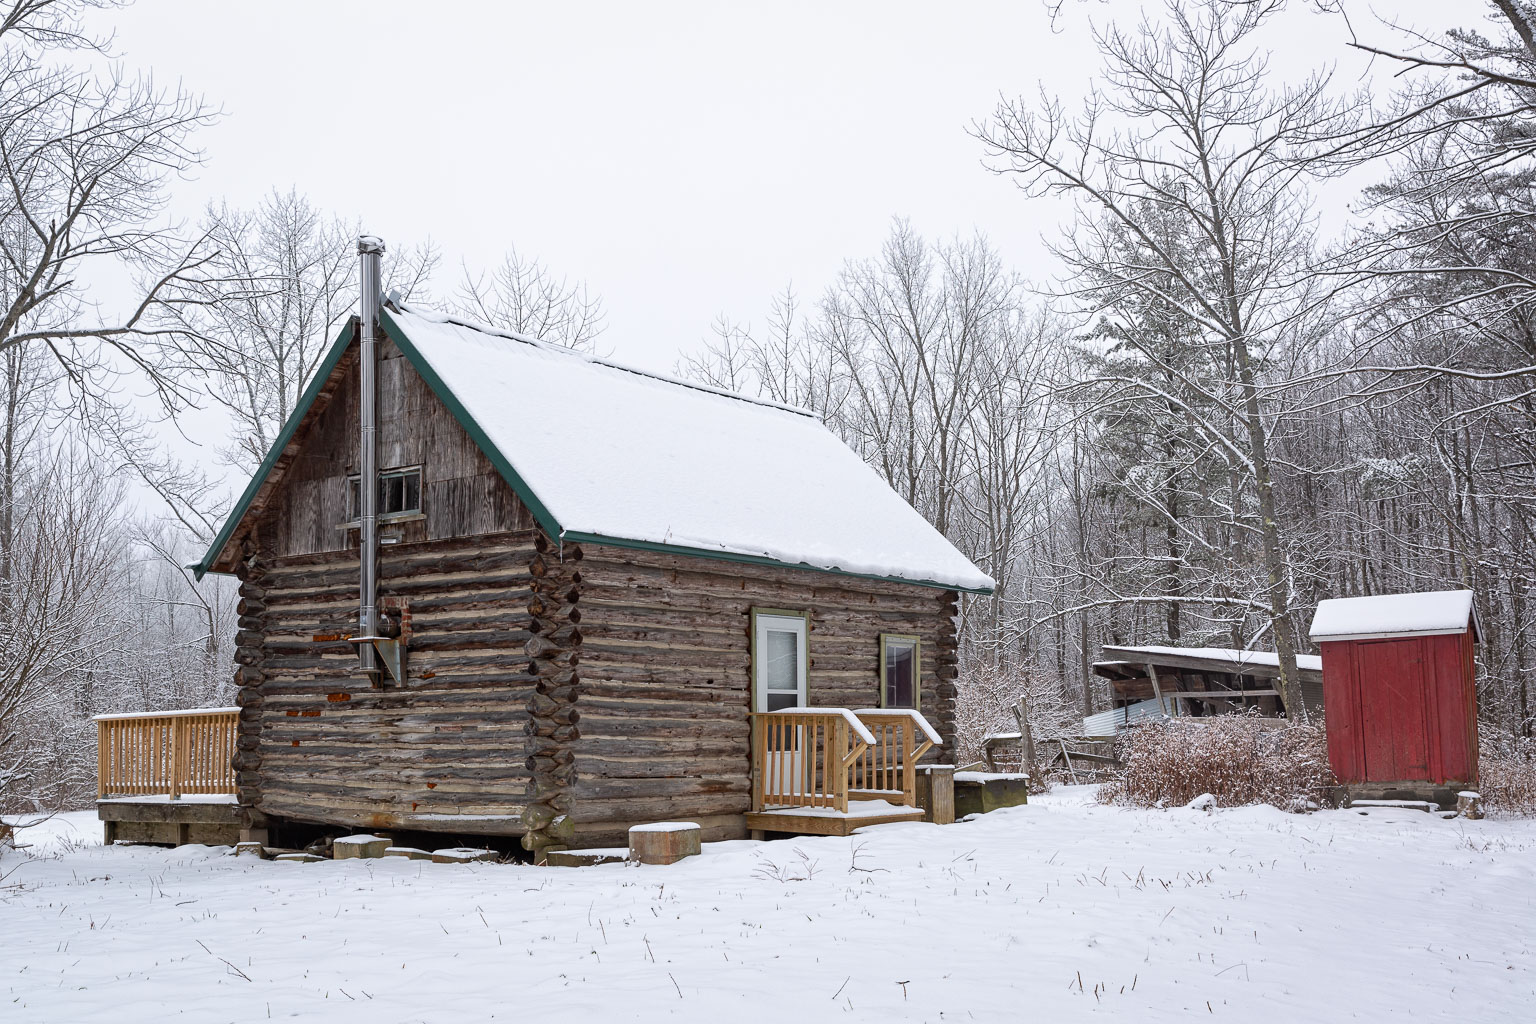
[827,825]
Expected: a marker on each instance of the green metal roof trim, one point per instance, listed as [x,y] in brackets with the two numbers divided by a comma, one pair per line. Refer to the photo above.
[322,374]
[541,513]
[731,556]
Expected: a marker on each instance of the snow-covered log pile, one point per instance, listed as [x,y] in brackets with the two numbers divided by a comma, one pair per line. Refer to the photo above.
[1238,759]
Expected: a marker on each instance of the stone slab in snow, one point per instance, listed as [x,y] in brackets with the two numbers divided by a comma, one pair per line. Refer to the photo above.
[363,847]
[462,855]
[586,858]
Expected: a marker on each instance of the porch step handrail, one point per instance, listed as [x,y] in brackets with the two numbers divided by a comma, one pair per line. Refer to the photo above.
[888,767]
[803,757]
[169,753]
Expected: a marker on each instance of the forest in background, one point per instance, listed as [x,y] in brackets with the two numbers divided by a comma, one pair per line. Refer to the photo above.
[1224,408]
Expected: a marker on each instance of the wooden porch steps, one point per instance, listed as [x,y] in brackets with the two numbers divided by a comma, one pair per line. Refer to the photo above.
[826,821]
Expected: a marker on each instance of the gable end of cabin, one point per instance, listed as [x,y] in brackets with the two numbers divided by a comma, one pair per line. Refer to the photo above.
[318,743]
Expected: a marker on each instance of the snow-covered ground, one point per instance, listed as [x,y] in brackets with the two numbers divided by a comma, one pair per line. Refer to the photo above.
[1059,910]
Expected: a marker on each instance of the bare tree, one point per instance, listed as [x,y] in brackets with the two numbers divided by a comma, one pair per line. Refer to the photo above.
[86,160]
[291,274]
[1189,128]
[523,295]
[286,282]
[58,620]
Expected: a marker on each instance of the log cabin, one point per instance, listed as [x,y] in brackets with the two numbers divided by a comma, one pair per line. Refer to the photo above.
[580,597]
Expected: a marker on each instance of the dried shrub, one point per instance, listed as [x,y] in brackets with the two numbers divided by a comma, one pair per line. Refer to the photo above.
[1239,759]
[1506,768]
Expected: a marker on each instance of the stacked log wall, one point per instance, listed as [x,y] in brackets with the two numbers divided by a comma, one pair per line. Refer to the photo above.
[666,677]
[554,652]
[446,751]
[250,658]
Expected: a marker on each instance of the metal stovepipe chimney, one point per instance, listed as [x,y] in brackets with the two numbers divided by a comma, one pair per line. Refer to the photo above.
[369,251]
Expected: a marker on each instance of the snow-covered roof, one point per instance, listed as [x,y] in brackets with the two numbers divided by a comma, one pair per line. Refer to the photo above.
[1367,618]
[605,453]
[1266,659]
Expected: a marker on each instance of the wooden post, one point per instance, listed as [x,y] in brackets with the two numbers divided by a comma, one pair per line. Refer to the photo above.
[1021,717]
[839,757]
[1157,691]
[936,793]
[1067,757]
[103,757]
[179,751]
[908,762]
[759,741]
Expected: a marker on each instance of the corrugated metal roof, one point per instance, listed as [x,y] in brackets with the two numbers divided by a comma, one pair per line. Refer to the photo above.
[1117,720]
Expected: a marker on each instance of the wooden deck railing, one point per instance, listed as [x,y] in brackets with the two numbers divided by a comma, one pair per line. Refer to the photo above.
[817,757]
[888,767]
[170,753]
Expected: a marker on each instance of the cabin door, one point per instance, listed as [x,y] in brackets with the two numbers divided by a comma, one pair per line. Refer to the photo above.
[779,662]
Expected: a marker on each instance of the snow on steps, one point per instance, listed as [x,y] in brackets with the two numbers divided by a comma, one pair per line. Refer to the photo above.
[1402,805]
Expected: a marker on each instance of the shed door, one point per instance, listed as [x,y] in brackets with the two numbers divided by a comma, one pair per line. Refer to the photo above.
[1392,710]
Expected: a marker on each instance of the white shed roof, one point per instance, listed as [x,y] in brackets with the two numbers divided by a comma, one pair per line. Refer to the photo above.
[1386,615]
[607,453]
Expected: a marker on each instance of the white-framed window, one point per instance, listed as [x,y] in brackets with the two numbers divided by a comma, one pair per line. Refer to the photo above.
[779,659]
[901,661]
[399,493]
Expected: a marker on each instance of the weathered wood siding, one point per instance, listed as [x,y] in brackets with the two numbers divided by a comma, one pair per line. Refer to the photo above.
[447,750]
[461,493]
[666,677]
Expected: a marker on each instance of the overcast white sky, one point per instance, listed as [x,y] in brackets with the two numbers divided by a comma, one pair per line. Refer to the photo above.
[683,159]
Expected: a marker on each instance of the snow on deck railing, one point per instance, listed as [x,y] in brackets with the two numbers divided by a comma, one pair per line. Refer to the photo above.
[912,713]
[890,766]
[165,714]
[859,728]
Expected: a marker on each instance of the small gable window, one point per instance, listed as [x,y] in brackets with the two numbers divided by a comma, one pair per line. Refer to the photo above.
[399,493]
[900,670]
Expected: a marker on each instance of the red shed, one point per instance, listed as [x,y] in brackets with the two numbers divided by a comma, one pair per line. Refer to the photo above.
[1398,692]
